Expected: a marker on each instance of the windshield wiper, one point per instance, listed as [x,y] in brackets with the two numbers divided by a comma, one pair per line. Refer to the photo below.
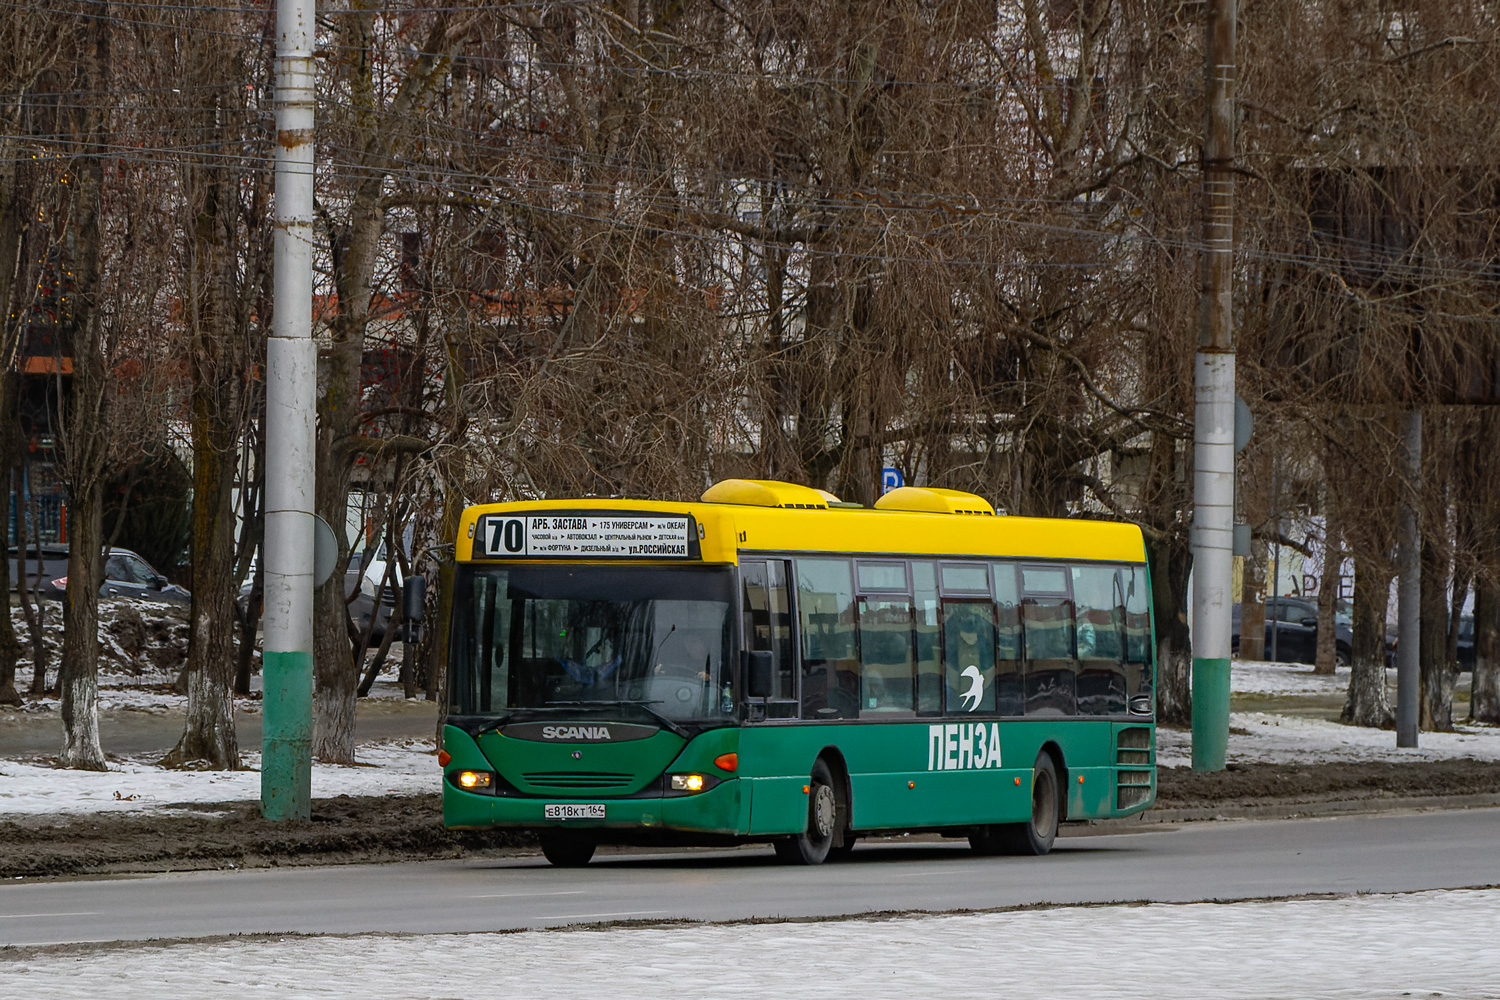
[642,704]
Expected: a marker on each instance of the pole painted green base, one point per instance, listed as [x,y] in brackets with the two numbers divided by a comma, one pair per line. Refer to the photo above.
[1210,713]
[286,741]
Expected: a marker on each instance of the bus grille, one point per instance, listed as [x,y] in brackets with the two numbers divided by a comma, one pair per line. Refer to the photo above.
[1134,788]
[1133,746]
[579,779]
[1132,750]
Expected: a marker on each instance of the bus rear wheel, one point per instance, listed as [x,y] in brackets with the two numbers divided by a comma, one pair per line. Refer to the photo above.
[1034,837]
[811,846]
[566,850]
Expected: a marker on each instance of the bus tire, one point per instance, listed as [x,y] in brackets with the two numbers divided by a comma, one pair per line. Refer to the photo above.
[1034,837]
[811,846]
[566,850]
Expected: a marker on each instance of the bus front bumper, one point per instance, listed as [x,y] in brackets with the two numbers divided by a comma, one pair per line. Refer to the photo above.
[721,810]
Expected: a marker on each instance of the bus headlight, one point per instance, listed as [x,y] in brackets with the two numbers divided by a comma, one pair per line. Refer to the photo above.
[687,782]
[472,780]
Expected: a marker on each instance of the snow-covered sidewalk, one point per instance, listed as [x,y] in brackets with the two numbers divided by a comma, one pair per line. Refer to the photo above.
[1356,948]
[397,767]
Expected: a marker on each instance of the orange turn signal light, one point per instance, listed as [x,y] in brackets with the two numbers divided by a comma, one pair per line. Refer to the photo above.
[443,758]
[727,761]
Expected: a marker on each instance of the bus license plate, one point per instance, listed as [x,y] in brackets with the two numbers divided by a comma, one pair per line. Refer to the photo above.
[573,810]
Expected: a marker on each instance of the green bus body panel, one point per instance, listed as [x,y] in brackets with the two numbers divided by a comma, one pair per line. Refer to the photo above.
[897,778]
[524,762]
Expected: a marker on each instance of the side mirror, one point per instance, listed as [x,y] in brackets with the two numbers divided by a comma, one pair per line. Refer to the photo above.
[413,598]
[758,673]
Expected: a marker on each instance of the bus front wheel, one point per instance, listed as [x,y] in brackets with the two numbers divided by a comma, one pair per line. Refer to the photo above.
[1034,836]
[811,846]
[566,850]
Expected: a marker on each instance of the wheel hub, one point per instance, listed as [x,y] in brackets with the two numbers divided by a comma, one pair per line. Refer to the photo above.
[822,810]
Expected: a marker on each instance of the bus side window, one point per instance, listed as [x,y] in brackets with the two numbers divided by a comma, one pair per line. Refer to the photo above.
[1009,689]
[969,655]
[1101,640]
[929,639]
[886,666]
[1047,630]
[1138,650]
[767,625]
[830,651]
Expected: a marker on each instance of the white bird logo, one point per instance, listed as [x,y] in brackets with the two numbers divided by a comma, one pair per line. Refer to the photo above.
[976,687]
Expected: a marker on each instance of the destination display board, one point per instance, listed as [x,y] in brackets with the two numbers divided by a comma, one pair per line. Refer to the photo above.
[585,536]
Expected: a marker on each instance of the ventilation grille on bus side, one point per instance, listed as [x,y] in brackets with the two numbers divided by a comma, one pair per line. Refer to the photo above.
[1132,749]
[578,779]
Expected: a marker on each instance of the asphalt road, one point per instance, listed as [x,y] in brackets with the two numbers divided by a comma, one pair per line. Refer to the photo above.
[1203,861]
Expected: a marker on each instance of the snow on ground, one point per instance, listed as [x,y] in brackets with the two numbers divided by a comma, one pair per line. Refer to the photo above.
[396,767]
[1290,734]
[1354,948]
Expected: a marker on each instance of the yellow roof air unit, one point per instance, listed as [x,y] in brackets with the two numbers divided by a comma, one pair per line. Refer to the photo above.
[767,493]
[934,501]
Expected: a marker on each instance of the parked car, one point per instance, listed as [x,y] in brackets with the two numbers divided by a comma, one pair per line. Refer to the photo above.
[1466,643]
[1465,649]
[366,571]
[54,564]
[126,574]
[1295,623]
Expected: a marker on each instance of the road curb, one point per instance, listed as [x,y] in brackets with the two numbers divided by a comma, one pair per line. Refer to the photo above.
[1299,810]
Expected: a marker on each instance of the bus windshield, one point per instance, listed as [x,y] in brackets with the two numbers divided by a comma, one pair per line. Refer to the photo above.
[640,640]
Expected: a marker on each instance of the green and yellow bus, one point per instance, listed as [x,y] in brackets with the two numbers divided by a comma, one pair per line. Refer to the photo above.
[772,665]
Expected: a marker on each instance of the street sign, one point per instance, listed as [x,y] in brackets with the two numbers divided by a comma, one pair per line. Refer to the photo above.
[891,479]
[1244,423]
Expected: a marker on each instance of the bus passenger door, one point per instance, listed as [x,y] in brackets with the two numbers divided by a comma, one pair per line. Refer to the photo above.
[766,624]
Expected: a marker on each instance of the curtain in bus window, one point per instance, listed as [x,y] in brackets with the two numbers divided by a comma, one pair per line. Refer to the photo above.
[887,677]
[1100,603]
[969,656]
[1137,639]
[1051,670]
[830,655]
[1009,689]
[929,638]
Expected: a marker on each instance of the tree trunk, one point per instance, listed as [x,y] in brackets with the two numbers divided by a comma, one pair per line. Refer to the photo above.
[1326,655]
[1369,702]
[78,677]
[10,648]
[1253,603]
[1437,672]
[31,611]
[1484,698]
[85,426]
[1174,650]
[208,734]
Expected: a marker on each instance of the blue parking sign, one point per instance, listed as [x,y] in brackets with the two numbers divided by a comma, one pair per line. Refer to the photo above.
[890,479]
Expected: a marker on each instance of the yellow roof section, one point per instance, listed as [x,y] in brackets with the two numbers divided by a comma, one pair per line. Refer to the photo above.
[934,501]
[725,529]
[767,493]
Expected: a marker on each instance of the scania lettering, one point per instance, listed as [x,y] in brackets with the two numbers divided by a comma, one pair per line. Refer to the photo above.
[769,665]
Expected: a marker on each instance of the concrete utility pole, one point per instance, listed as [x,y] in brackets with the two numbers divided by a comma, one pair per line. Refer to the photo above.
[291,387]
[1213,429]
[1409,589]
